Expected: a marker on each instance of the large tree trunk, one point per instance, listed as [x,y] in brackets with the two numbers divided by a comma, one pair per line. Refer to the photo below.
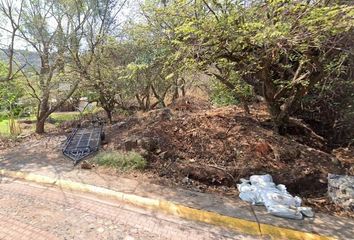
[279,117]
[43,109]
[41,118]
[40,126]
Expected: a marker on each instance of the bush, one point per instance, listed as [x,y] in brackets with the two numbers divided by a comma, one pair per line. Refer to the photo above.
[222,96]
[329,108]
[3,116]
[124,161]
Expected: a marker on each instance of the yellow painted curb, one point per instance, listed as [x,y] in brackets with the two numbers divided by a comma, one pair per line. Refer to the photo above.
[240,225]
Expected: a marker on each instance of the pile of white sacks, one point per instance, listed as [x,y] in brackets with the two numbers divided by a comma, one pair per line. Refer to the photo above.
[261,190]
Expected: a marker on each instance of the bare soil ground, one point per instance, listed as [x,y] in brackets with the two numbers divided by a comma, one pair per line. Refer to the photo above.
[210,149]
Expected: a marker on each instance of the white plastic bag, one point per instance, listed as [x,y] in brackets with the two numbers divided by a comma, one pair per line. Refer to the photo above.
[249,193]
[261,179]
[261,190]
[285,212]
[275,197]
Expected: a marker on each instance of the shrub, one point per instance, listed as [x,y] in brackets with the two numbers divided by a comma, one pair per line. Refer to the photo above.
[124,161]
[222,96]
[3,116]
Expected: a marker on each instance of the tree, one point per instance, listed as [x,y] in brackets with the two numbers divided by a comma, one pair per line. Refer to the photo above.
[6,8]
[100,65]
[47,40]
[284,46]
[59,32]
[106,75]
[157,70]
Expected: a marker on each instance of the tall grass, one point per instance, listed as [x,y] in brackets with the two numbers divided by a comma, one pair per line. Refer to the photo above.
[10,127]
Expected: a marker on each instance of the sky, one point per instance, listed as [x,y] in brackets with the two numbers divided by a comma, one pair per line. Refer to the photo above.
[129,11]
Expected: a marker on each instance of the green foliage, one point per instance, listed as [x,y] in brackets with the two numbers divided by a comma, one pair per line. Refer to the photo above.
[124,161]
[4,127]
[283,46]
[3,116]
[280,49]
[222,96]
[329,108]
[158,69]
[10,106]
[10,98]
[60,117]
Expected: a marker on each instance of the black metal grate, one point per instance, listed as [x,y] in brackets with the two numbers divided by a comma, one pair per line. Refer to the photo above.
[83,142]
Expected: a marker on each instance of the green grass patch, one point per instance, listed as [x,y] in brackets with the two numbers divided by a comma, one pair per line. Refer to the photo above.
[64,116]
[124,161]
[4,127]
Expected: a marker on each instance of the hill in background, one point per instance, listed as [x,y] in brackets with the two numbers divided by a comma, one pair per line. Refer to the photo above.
[22,57]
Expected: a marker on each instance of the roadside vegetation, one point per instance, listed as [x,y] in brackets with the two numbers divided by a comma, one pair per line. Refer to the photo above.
[290,54]
[124,161]
[4,127]
[207,91]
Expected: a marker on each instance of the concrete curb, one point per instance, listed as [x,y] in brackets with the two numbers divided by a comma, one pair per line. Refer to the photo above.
[238,224]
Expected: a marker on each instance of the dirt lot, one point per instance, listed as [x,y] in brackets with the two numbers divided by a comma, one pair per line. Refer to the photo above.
[197,146]
[209,149]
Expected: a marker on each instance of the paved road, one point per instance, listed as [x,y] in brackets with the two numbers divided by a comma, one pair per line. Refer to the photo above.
[30,211]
